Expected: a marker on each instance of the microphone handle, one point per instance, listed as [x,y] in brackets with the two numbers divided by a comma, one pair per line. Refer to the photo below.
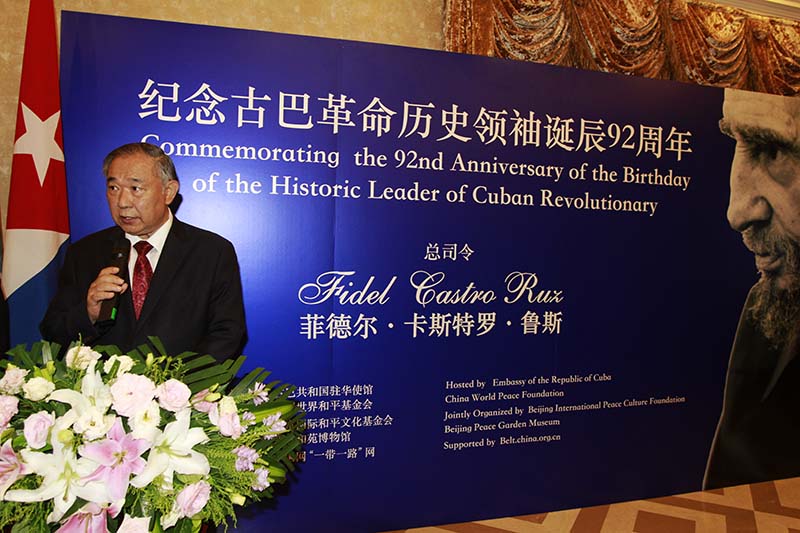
[109,308]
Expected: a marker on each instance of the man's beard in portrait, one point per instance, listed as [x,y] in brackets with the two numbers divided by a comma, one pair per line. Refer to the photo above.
[775,309]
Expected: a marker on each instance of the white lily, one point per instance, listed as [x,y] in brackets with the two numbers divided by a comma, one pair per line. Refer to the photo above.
[93,387]
[90,405]
[172,452]
[61,471]
[144,424]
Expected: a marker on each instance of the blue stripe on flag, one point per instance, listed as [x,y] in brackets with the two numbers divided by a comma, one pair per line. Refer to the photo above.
[26,307]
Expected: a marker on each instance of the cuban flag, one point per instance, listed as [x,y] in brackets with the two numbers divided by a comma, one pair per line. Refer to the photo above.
[37,227]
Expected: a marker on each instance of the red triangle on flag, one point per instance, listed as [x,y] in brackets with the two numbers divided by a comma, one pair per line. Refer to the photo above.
[38,188]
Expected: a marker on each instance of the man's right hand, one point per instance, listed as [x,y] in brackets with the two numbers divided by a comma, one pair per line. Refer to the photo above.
[104,287]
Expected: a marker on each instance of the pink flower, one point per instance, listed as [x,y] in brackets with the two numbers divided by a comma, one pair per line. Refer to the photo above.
[262,479]
[118,457]
[200,402]
[193,498]
[132,393]
[12,380]
[173,395]
[91,518]
[225,416]
[11,468]
[260,393]
[134,525]
[245,457]
[274,424]
[9,406]
[248,418]
[228,424]
[37,427]
[79,357]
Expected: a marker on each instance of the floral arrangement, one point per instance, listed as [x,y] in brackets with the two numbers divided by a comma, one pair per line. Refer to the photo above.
[108,442]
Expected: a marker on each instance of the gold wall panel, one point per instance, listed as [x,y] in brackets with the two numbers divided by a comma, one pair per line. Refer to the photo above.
[415,23]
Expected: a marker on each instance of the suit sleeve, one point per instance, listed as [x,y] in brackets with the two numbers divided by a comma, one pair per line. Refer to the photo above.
[66,319]
[226,331]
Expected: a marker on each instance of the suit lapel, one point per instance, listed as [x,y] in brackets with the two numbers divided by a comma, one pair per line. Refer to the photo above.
[172,256]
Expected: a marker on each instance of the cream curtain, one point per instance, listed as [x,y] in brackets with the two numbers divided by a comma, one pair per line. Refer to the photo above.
[682,40]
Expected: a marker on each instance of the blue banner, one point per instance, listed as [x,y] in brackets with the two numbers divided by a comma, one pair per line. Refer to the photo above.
[501,287]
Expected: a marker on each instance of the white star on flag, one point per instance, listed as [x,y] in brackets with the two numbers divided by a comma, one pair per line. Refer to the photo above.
[39,140]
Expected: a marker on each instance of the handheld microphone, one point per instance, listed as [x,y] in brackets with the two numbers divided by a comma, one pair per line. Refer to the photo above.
[119,259]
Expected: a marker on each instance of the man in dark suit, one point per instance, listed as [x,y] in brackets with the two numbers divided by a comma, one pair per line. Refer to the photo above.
[758,436]
[185,288]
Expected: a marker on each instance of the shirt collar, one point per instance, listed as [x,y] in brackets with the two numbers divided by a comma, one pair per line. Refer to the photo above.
[159,236]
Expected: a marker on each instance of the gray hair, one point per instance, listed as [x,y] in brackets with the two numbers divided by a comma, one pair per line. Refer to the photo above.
[165,165]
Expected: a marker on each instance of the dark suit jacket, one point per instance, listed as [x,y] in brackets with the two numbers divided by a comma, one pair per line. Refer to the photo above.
[194,301]
[758,436]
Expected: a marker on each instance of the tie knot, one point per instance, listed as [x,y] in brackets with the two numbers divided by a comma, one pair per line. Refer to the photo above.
[142,247]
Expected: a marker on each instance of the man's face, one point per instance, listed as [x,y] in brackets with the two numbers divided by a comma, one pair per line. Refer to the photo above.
[765,195]
[138,200]
[765,174]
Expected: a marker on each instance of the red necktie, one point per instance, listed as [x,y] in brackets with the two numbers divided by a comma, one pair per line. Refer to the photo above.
[142,274]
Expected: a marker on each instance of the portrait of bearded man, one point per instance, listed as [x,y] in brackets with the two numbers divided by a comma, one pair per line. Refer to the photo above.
[758,435]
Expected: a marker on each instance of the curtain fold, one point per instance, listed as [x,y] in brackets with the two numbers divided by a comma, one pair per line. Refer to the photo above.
[684,40]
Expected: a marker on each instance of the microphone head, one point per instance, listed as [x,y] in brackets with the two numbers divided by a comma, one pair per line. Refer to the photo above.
[120,253]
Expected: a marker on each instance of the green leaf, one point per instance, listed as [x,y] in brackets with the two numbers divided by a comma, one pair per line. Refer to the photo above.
[217,372]
[204,384]
[280,392]
[47,353]
[257,374]
[270,408]
[136,354]
[156,342]
[281,449]
[145,349]
[184,525]
[108,349]
[197,362]
[236,364]
[276,472]
[21,358]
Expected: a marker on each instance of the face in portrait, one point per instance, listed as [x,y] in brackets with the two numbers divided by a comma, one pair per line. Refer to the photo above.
[764,202]
[139,193]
